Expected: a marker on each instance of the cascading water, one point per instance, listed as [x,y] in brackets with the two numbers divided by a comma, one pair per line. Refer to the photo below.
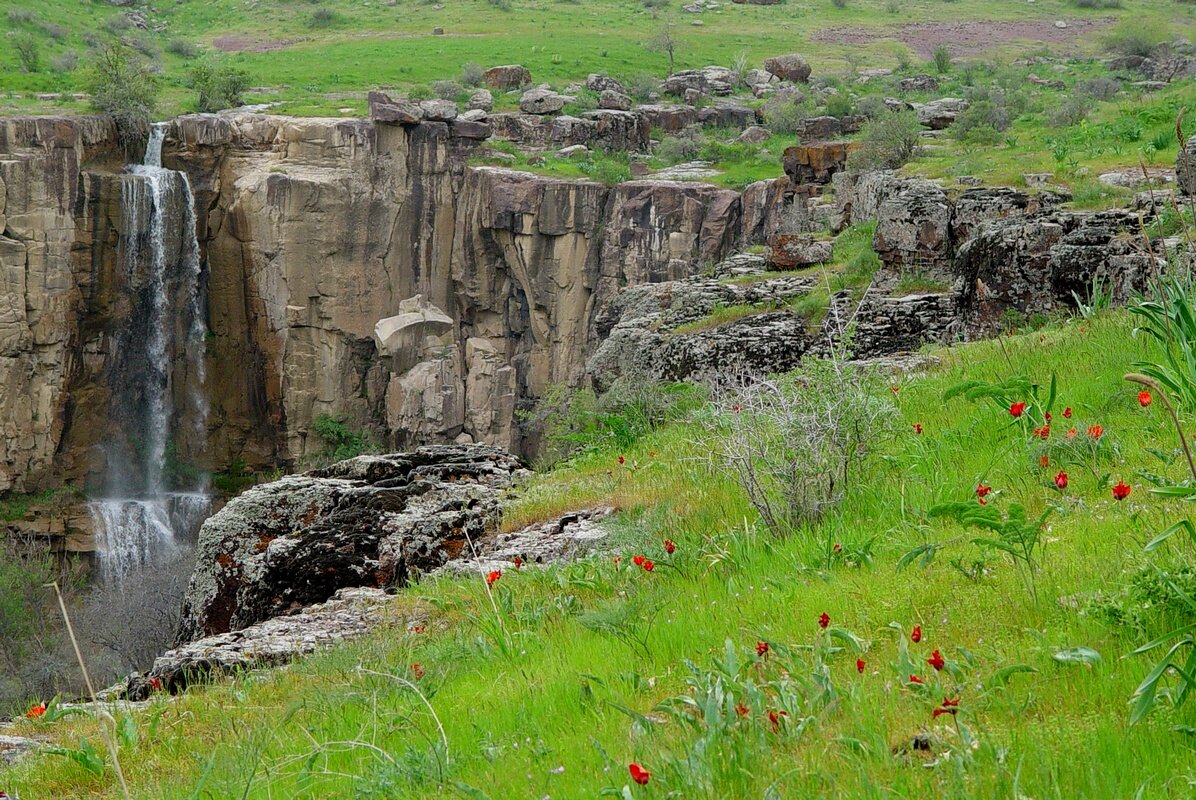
[149,498]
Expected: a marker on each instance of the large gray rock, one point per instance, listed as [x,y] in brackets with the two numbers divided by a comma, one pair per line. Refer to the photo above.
[399,112]
[913,228]
[507,77]
[614,100]
[939,114]
[541,101]
[791,67]
[371,521]
[600,83]
[481,100]
[708,80]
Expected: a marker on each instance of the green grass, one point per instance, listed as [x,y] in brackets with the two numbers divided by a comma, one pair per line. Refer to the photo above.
[553,706]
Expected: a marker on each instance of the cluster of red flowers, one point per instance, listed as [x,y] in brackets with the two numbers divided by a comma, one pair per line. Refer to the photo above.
[36,710]
[417,670]
[643,562]
[949,706]
[493,577]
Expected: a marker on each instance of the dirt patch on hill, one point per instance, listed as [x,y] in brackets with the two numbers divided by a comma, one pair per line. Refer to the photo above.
[962,38]
[246,44]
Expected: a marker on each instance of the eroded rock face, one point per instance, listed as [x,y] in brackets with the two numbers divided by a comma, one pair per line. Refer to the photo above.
[1185,168]
[372,521]
[507,77]
[816,163]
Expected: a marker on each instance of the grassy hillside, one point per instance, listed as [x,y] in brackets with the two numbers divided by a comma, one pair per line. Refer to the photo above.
[321,56]
[578,671]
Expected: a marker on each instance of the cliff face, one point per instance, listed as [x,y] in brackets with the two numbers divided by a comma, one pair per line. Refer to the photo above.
[59,204]
[364,271]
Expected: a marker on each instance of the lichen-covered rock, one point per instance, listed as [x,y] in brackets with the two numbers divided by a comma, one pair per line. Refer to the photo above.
[541,101]
[669,118]
[791,67]
[818,129]
[507,77]
[913,228]
[939,114]
[557,541]
[708,80]
[816,163]
[372,521]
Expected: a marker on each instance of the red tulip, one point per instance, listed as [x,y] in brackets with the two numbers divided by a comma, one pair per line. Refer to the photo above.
[493,577]
[936,661]
[761,648]
[622,460]
[824,620]
[1067,412]
[669,546]
[1043,431]
[36,710]
[949,706]
[1121,491]
[916,679]
[774,717]
[1016,409]
[741,710]
[838,548]
[916,636]
[982,490]
[638,560]
[1071,433]
[918,428]
[639,774]
[648,566]
[859,665]
[1096,431]
[517,561]
[1046,415]
[155,684]
[894,389]
[1044,460]
[1061,480]
[417,670]
[1144,398]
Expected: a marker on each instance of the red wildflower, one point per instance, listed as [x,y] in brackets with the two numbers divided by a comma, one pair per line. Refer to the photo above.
[36,710]
[517,561]
[1121,491]
[949,706]
[918,428]
[670,546]
[1016,409]
[638,560]
[1046,415]
[1043,431]
[1044,460]
[981,501]
[894,389]
[736,409]
[493,577]
[1067,412]
[859,665]
[761,648]
[916,636]
[838,548]
[648,566]
[1096,431]
[417,670]
[639,774]
[741,710]
[651,454]
[622,460]
[824,620]
[1061,480]
[916,679]
[936,661]
[155,684]
[774,718]
[1144,398]
[617,560]
[1071,433]
[982,490]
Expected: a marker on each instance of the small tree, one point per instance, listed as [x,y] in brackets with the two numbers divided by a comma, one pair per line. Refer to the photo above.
[218,85]
[122,85]
[28,51]
[665,42]
[887,142]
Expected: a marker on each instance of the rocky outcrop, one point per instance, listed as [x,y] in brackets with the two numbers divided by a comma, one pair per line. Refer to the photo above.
[507,77]
[816,163]
[608,130]
[372,521]
[59,223]
[1185,168]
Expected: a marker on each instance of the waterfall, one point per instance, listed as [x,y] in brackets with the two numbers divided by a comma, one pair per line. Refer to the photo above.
[150,500]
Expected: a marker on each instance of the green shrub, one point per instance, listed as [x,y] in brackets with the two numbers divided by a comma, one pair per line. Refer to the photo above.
[182,48]
[121,84]
[682,147]
[783,113]
[840,105]
[217,85]
[28,51]
[447,90]
[323,18]
[887,142]
[942,59]
[981,122]
[340,441]
[1139,36]
[65,62]
[472,74]
[1071,111]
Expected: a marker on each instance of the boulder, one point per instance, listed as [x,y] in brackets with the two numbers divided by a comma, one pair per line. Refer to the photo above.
[371,521]
[816,163]
[439,110]
[913,228]
[795,250]
[918,83]
[400,112]
[939,114]
[670,119]
[613,100]
[480,100]
[790,67]
[727,114]
[507,77]
[819,129]
[597,82]
[708,80]
[541,101]
[754,134]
